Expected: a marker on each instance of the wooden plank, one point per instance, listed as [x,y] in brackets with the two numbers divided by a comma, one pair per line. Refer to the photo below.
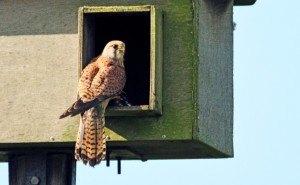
[25,168]
[99,9]
[155,96]
[215,76]
[61,169]
[42,169]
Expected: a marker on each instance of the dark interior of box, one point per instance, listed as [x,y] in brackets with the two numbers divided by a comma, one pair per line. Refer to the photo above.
[133,28]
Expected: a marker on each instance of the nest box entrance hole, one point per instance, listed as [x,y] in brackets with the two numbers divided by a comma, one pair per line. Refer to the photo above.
[136,27]
[133,28]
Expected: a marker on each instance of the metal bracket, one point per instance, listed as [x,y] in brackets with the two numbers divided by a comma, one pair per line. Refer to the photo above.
[122,153]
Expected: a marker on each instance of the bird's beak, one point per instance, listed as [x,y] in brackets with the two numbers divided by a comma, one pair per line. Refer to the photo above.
[122,47]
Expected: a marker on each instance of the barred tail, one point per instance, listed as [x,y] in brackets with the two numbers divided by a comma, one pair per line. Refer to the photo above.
[91,142]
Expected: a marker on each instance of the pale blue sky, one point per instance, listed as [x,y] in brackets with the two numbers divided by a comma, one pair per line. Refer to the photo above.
[266,112]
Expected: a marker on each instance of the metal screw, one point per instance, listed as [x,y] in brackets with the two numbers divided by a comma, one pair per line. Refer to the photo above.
[34,180]
[52,138]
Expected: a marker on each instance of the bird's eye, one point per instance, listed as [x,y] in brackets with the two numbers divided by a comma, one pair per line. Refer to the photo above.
[115,46]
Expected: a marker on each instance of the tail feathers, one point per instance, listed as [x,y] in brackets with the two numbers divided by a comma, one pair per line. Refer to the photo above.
[78,107]
[91,144]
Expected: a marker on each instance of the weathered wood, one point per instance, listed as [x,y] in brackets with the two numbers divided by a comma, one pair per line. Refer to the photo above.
[47,72]
[146,92]
[42,169]
[25,167]
[193,38]
[215,75]
[61,169]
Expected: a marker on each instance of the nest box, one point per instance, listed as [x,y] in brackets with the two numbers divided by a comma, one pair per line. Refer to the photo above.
[179,65]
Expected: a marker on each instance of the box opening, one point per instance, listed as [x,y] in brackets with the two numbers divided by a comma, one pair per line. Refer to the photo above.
[140,28]
[133,28]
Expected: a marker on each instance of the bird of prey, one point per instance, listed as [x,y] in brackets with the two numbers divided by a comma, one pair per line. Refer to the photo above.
[101,81]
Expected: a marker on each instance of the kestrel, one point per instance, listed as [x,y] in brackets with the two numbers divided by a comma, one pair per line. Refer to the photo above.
[101,81]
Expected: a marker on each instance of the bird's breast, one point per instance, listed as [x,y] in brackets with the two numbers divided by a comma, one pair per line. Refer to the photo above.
[111,81]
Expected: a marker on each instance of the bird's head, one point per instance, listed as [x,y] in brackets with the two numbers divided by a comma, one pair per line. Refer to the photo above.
[115,51]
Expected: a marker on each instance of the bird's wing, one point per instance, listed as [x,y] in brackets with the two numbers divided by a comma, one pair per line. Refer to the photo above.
[88,75]
[88,97]
[97,84]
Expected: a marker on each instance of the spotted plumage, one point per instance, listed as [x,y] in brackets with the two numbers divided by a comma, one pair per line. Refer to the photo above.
[102,80]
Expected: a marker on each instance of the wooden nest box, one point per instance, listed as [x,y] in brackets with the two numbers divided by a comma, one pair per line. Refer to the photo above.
[179,63]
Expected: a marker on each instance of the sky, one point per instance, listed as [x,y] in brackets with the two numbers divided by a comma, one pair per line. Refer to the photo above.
[266,112]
